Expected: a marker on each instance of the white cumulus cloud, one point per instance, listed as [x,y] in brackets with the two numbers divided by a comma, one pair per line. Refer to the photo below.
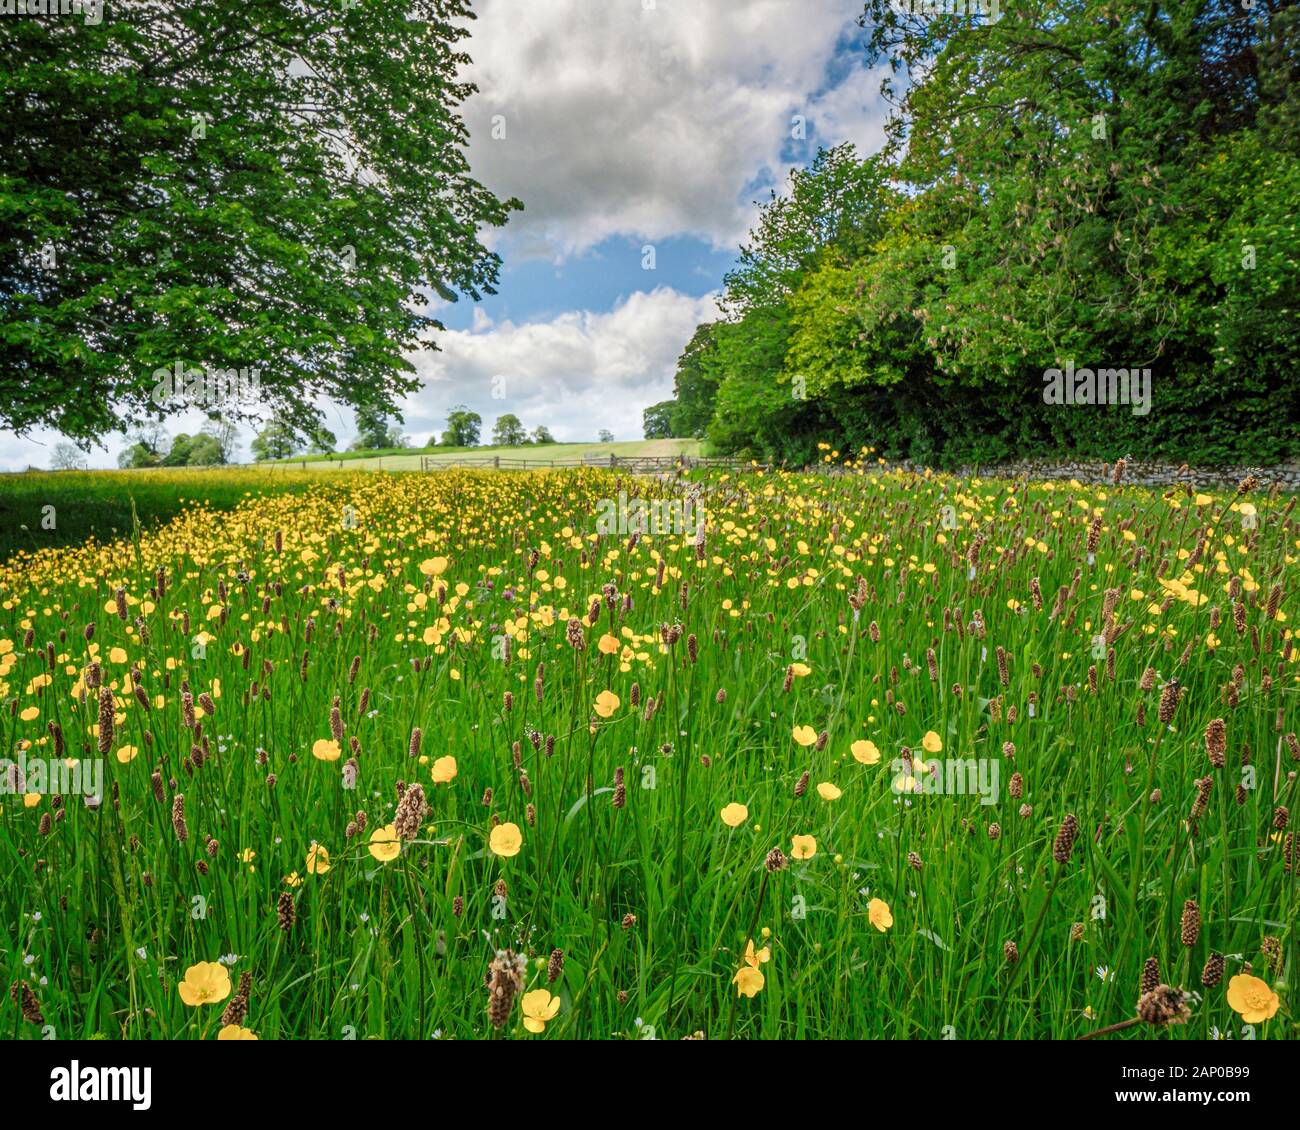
[576,373]
[627,118]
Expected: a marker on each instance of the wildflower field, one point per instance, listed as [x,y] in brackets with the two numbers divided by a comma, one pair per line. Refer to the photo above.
[863,754]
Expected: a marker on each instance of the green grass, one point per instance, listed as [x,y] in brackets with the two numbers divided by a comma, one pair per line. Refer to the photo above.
[98,504]
[368,454]
[391,595]
[409,459]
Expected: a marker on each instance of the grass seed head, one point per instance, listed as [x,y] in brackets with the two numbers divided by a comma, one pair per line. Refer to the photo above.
[1064,843]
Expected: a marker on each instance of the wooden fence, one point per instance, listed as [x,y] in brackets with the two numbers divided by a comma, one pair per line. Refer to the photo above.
[633,464]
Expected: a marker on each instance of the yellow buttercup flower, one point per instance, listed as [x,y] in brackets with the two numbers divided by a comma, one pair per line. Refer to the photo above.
[207,982]
[384,843]
[734,815]
[1252,998]
[803,847]
[865,752]
[444,770]
[235,1032]
[804,735]
[749,978]
[879,915]
[326,749]
[931,743]
[748,981]
[505,840]
[538,1007]
[318,860]
[828,791]
[606,703]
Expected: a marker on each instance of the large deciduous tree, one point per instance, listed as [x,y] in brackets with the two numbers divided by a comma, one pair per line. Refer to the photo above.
[231,186]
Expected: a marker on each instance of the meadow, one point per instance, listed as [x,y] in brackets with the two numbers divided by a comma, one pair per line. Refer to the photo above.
[412,459]
[863,754]
[41,509]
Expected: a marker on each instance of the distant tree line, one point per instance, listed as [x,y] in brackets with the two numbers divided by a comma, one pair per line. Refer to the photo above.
[150,446]
[378,430]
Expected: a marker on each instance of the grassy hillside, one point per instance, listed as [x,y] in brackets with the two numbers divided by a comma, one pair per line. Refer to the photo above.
[409,460]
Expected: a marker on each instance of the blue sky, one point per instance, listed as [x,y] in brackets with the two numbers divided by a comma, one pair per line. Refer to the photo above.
[620,124]
[540,289]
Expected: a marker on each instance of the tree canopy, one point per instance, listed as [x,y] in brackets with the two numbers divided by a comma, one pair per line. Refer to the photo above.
[227,187]
[1094,184]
